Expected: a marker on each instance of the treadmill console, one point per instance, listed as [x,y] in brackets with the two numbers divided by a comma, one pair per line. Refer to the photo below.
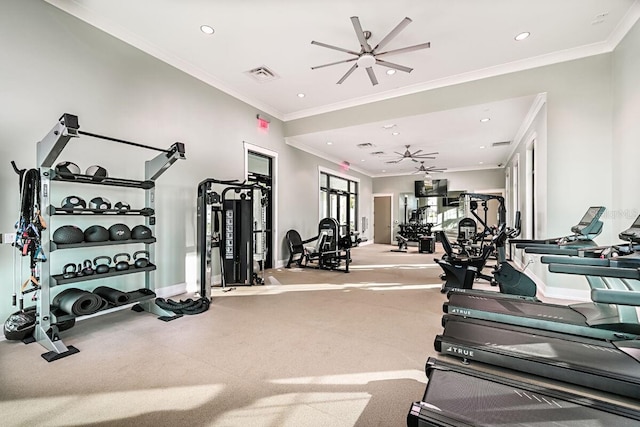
[632,234]
[590,224]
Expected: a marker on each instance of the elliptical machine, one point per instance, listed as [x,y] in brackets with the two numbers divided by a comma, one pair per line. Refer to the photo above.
[510,279]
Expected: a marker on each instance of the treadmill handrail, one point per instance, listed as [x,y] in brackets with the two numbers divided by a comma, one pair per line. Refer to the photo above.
[589,270]
[596,262]
[551,250]
[614,296]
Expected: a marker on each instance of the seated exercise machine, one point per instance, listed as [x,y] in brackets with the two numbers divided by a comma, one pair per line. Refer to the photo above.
[329,252]
[464,265]
[460,269]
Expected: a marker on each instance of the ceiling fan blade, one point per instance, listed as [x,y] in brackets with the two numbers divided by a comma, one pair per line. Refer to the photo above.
[334,47]
[372,76]
[427,154]
[347,74]
[401,26]
[415,153]
[405,49]
[333,63]
[394,66]
[424,157]
[400,154]
[360,33]
[393,161]
[414,160]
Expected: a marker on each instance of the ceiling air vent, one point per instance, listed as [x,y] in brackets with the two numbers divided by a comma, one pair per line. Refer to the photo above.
[365,145]
[262,74]
[500,144]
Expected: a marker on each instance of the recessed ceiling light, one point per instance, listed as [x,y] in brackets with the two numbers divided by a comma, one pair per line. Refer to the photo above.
[384,170]
[482,146]
[362,160]
[522,36]
[485,119]
[329,143]
[481,163]
[391,72]
[301,95]
[207,29]
[395,133]
[389,126]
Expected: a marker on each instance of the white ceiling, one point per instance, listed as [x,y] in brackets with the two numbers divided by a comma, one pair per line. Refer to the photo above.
[470,39]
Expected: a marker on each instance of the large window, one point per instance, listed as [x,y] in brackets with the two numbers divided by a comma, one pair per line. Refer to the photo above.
[339,200]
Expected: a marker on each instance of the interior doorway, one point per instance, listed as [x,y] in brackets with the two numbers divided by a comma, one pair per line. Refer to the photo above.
[261,170]
[382,219]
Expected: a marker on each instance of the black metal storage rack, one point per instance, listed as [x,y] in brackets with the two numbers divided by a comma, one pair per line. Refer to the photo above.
[48,150]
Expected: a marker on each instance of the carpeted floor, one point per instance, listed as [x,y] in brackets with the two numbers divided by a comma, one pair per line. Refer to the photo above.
[310,348]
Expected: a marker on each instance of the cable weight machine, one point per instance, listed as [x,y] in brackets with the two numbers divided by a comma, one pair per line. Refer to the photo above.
[227,223]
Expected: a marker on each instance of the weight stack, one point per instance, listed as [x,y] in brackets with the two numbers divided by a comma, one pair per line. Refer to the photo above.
[237,241]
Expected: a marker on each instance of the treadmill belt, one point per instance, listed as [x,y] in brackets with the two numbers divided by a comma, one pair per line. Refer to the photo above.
[460,395]
[591,363]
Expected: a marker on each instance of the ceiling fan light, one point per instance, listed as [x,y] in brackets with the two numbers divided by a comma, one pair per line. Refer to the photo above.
[207,29]
[366,60]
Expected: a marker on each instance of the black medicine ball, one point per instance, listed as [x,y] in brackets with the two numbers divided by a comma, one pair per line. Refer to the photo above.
[140,232]
[70,203]
[67,169]
[96,233]
[68,234]
[98,173]
[122,206]
[100,203]
[119,232]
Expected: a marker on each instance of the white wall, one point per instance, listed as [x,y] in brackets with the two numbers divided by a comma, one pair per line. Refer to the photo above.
[53,63]
[626,130]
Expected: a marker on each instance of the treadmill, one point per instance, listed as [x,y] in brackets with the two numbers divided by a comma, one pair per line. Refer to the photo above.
[459,396]
[610,366]
[620,255]
[599,320]
[584,232]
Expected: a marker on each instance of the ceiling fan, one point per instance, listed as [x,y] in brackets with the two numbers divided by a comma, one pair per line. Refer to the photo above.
[413,156]
[368,56]
[426,171]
